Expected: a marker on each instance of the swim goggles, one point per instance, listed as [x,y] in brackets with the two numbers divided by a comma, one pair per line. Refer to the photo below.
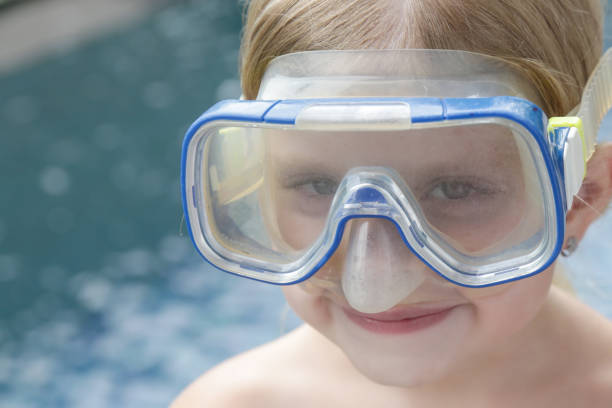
[444,152]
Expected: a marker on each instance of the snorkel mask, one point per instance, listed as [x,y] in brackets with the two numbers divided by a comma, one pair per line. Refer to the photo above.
[353,152]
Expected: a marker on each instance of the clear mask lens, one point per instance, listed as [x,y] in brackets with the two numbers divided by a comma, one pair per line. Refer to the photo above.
[271,193]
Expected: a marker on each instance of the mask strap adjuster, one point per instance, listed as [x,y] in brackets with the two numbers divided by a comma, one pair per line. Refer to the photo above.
[574,153]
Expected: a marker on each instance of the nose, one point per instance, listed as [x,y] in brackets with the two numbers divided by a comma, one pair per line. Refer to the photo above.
[372,269]
[378,269]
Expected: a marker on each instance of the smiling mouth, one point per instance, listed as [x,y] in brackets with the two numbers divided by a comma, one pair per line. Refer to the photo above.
[400,321]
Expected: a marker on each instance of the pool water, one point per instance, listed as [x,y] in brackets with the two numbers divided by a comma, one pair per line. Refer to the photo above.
[103,300]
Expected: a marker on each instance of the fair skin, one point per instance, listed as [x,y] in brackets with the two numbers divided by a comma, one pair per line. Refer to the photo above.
[473,193]
[525,343]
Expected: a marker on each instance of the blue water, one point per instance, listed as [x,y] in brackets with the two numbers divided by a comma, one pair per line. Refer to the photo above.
[103,301]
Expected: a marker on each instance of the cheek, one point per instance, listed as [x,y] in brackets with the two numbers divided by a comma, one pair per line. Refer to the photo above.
[309,304]
[297,230]
[295,227]
[503,310]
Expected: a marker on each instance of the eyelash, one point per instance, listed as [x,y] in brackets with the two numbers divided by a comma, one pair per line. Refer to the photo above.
[321,186]
[314,185]
[472,186]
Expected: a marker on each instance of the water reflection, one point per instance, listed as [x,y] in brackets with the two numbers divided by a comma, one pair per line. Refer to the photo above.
[60,220]
[3,232]
[20,109]
[54,181]
[158,95]
[9,268]
[107,136]
[103,301]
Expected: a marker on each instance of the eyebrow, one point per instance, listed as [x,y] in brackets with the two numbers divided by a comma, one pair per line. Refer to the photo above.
[285,169]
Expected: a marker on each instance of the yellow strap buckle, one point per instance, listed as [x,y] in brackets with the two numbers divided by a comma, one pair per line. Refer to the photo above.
[570,121]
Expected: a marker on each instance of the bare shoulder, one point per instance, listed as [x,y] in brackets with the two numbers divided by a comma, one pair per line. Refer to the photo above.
[590,389]
[263,377]
[230,384]
[589,377]
[599,384]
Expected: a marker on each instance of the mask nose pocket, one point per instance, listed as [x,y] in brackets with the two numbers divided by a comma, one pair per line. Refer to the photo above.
[378,269]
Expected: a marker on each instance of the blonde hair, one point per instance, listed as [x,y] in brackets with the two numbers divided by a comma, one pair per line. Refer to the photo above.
[554,43]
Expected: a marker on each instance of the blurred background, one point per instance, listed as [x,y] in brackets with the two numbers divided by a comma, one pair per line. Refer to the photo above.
[103,300]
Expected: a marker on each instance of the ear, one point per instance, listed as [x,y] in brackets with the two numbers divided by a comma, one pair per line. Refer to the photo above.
[595,193]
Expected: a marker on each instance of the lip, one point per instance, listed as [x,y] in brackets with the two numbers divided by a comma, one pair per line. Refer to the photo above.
[399,320]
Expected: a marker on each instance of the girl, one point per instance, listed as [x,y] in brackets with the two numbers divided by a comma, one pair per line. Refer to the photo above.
[411,201]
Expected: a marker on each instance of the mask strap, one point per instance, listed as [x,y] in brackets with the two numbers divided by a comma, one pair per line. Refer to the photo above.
[583,123]
[596,101]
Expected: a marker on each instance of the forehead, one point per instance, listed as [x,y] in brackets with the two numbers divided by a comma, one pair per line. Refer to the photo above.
[391,73]
[414,148]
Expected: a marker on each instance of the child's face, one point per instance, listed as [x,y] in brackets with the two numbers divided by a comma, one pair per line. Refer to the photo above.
[474,193]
